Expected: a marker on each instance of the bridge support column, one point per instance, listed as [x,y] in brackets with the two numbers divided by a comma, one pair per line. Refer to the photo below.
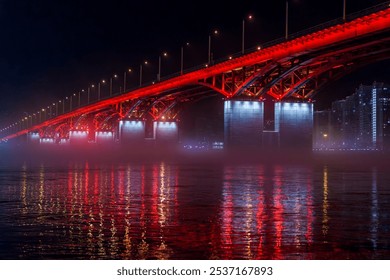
[243,122]
[131,131]
[166,133]
[294,122]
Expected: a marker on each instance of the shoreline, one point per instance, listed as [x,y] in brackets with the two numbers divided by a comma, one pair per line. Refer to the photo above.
[173,154]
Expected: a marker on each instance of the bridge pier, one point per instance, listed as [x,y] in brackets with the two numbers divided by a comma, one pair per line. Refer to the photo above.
[131,131]
[243,124]
[33,138]
[294,123]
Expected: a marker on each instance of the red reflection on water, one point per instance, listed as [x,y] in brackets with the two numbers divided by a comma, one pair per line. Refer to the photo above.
[278,213]
[96,187]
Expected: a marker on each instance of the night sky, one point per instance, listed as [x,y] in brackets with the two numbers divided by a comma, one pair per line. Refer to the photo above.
[50,49]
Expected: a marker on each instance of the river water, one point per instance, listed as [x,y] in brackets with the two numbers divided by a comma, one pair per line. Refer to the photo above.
[171,210]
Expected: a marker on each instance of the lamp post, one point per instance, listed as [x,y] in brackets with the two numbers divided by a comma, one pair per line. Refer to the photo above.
[344,10]
[125,77]
[63,108]
[210,54]
[159,66]
[44,116]
[71,102]
[182,59]
[250,17]
[99,84]
[79,99]
[115,76]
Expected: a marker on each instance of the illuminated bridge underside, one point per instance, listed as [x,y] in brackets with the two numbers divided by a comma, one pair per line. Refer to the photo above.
[292,70]
[164,106]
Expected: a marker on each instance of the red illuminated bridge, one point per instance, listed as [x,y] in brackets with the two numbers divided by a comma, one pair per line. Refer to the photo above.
[288,71]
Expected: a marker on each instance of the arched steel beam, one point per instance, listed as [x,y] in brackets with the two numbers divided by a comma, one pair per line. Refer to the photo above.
[108,118]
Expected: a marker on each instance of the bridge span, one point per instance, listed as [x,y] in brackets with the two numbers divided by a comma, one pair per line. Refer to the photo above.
[288,72]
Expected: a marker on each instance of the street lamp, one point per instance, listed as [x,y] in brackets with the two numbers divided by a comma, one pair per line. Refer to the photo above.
[44,116]
[215,33]
[63,105]
[115,76]
[79,101]
[124,78]
[182,58]
[159,66]
[102,82]
[140,72]
[250,17]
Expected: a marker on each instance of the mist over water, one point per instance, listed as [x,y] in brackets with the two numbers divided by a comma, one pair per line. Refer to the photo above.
[195,207]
